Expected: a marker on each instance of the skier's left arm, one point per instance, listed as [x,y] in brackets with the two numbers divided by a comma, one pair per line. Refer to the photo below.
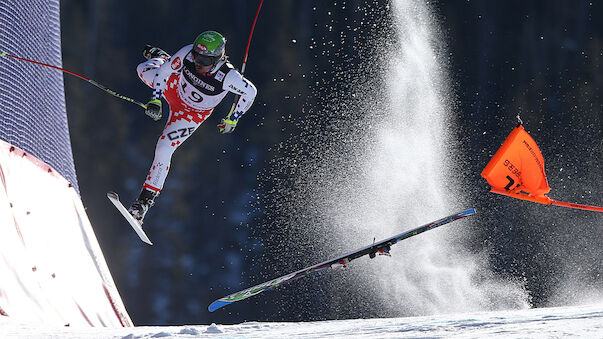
[235,82]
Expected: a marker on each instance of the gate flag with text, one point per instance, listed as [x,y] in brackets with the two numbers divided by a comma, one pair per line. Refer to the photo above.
[517,170]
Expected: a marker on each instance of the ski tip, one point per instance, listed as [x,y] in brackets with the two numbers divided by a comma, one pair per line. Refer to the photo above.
[112,195]
[217,305]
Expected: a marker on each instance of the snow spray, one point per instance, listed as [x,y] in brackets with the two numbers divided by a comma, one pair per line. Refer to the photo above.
[409,176]
[374,157]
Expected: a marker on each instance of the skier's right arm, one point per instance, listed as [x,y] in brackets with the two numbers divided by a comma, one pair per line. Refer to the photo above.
[173,64]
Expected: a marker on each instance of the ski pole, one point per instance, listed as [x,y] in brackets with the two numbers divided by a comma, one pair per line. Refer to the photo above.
[236,99]
[110,91]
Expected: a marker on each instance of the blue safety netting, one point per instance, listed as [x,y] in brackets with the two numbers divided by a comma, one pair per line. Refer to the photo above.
[32,99]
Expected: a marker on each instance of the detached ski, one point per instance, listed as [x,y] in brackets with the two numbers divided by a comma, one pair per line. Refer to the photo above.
[133,222]
[381,247]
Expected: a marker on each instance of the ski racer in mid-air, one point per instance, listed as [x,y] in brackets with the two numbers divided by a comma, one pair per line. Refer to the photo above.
[193,82]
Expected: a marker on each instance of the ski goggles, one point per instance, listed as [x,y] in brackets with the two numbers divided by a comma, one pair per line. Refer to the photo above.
[205,60]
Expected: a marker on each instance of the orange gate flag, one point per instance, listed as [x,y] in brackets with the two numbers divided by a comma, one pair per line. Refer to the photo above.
[517,170]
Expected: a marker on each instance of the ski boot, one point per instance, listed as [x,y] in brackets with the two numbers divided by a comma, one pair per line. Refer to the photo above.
[150,52]
[141,206]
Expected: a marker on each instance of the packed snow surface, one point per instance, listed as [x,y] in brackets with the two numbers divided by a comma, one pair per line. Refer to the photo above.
[574,321]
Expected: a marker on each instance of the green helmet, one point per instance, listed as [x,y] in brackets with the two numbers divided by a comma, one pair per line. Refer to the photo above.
[209,48]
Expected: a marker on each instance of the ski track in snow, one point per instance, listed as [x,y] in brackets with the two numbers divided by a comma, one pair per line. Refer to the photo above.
[571,321]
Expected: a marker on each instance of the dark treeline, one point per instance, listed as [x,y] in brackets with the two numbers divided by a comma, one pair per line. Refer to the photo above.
[211,226]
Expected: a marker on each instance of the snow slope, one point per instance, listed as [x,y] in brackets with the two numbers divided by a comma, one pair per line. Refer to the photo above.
[573,321]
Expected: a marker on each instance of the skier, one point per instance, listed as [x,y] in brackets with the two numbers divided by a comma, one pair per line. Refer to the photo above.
[193,82]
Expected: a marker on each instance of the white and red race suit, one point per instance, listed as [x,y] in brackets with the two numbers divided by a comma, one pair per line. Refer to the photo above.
[191,97]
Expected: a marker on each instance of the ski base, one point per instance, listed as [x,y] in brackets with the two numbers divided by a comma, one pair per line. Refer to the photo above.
[133,222]
[218,304]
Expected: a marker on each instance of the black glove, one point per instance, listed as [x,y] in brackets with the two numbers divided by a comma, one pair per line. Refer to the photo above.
[153,109]
[149,52]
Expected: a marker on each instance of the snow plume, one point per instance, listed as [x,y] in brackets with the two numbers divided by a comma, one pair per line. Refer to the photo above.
[375,158]
[406,180]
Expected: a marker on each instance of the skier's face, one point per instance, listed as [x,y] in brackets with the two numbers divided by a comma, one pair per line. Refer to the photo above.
[203,61]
